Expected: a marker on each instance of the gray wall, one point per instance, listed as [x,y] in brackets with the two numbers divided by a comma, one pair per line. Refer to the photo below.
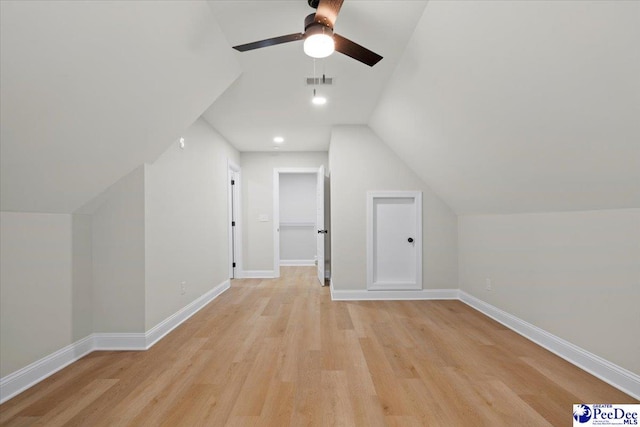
[118,257]
[41,276]
[116,264]
[574,274]
[82,276]
[186,221]
[257,199]
[359,162]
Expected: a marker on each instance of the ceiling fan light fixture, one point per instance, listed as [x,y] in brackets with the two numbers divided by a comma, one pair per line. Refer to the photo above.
[318,42]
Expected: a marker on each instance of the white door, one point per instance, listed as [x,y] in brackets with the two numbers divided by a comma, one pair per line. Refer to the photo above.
[394,240]
[234,235]
[234,223]
[320,224]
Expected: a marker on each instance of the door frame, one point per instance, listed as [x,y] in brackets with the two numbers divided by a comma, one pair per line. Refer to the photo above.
[371,196]
[276,211]
[234,205]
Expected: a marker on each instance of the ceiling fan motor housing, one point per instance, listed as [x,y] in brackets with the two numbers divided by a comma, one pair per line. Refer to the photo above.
[311,27]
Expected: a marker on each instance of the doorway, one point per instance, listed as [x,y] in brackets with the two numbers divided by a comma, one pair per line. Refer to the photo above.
[298,219]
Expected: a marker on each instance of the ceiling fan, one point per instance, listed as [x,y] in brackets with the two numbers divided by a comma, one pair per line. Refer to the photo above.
[319,39]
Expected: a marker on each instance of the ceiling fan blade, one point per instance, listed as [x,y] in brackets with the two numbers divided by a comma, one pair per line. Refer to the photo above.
[327,12]
[355,51]
[269,42]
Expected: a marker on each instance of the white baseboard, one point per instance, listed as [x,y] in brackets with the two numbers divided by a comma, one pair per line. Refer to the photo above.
[17,382]
[159,331]
[296,262]
[20,380]
[608,372]
[419,294]
[256,274]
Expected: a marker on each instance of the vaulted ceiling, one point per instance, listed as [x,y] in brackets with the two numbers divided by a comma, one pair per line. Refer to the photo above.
[500,106]
[520,106]
[91,90]
[271,96]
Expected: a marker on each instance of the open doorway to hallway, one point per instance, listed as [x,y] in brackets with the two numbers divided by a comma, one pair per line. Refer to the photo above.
[300,234]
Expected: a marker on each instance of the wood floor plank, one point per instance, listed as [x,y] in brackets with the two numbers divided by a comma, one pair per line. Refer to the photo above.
[335,402]
[256,385]
[278,352]
[22,422]
[306,410]
[63,413]
[278,407]
[227,394]
[388,388]
[47,389]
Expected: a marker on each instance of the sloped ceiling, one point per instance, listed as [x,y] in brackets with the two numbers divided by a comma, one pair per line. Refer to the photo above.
[520,106]
[271,97]
[90,90]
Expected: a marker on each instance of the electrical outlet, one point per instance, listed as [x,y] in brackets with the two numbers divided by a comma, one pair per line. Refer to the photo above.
[183,288]
[487,285]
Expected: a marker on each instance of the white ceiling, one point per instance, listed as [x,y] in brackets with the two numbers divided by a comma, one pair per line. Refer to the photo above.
[520,106]
[91,90]
[271,97]
[500,106]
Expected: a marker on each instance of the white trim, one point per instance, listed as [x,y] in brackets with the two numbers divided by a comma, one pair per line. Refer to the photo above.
[257,274]
[368,295]
[321,224]
[276,222]
[22,379]
[19,381]
[618,377]
[276,212]
[372,283]
[159,331]
[293,262]
[237,247]
[608,372]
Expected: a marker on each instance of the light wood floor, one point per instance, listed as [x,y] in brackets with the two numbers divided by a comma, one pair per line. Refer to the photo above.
[280,352]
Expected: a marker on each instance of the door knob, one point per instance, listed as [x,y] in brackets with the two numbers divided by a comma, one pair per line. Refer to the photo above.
[322,231]
[410,239]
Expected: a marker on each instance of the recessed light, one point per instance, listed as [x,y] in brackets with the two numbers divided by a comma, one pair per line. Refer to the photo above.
[181,142]
[318,100]
[278,140]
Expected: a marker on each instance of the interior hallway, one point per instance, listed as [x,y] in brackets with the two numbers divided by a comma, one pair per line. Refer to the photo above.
[280,352]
